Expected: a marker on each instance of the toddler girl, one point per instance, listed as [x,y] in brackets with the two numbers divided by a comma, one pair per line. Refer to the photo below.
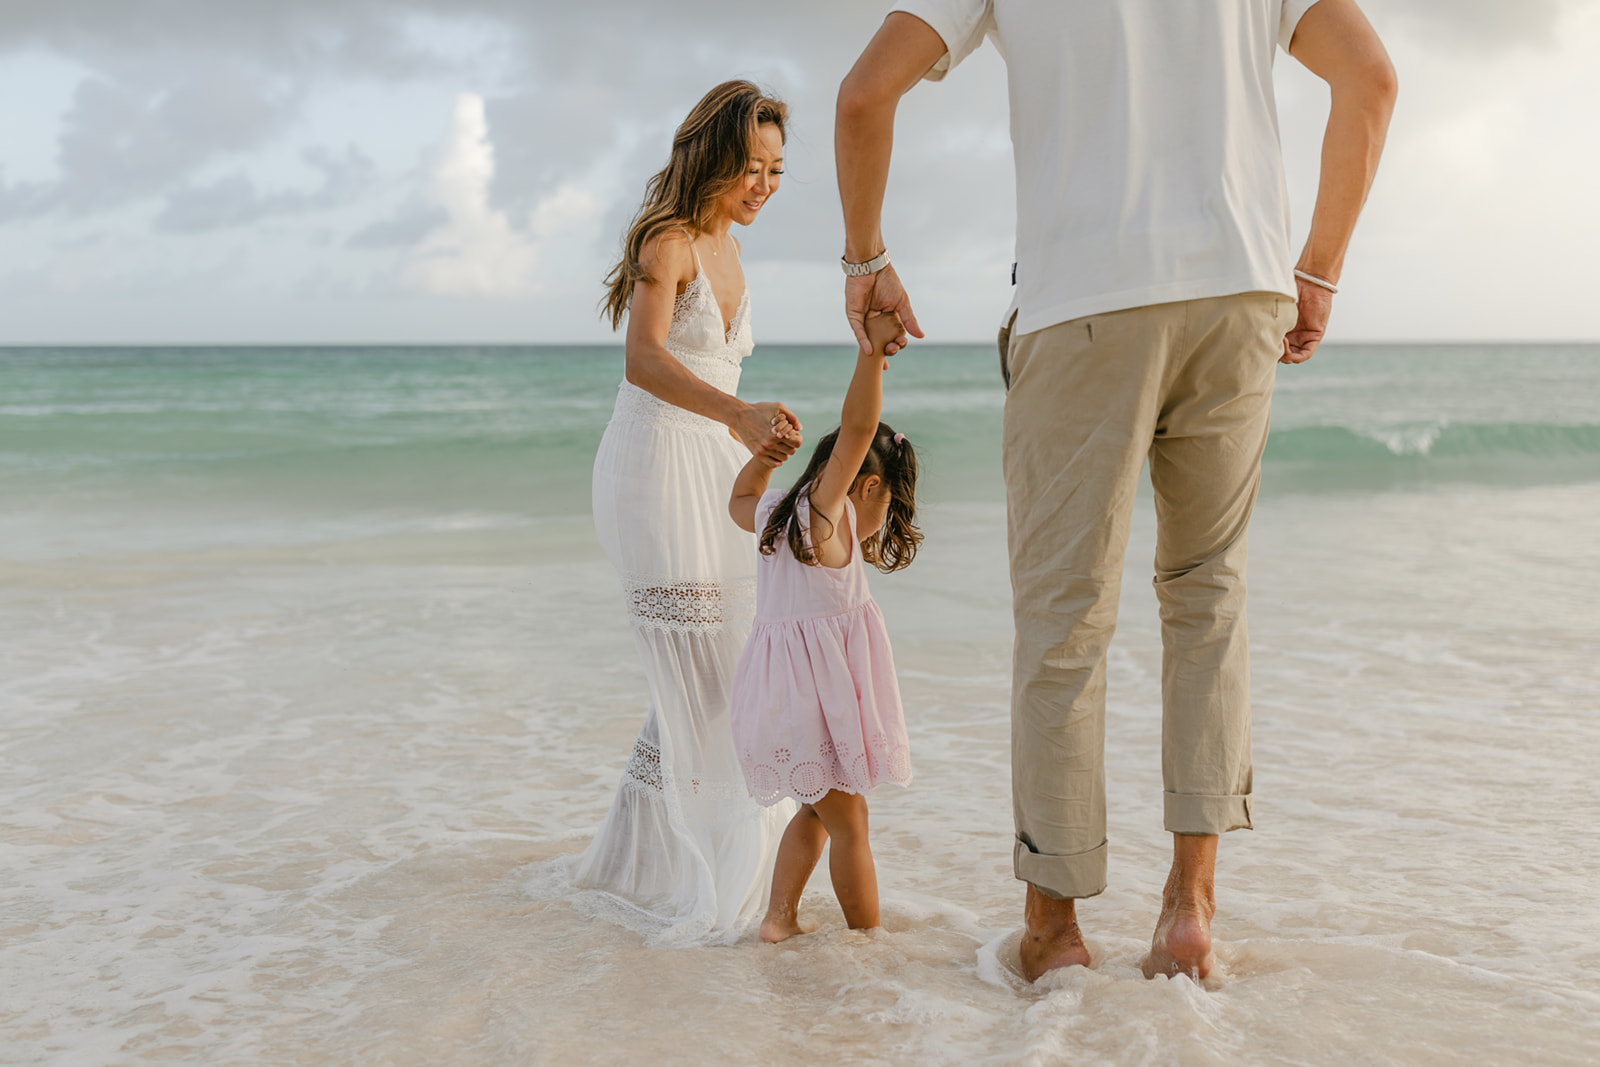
[815,704]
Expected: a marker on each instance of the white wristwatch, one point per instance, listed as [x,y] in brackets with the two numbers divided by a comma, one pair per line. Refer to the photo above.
[871,266]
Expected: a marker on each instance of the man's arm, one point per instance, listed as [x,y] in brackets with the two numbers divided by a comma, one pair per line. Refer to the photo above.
[1335,42]
[904,49]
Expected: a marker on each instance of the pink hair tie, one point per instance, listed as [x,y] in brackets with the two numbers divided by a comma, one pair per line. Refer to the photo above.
[899,438]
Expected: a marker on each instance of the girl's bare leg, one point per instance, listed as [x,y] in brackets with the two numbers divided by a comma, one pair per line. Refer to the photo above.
[855,879]
[798,854]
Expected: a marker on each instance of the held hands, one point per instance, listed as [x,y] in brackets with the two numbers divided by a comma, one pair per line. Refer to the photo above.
[1315,304]
[769,430]
[885,333]
[882,293]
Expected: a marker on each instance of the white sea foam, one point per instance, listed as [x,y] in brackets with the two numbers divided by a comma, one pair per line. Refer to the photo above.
[287,812]
[286,732]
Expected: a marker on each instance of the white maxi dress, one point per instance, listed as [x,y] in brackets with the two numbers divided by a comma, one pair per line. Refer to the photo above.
[684,855]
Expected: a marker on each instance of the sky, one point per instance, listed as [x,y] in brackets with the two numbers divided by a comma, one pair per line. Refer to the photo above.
[460,171]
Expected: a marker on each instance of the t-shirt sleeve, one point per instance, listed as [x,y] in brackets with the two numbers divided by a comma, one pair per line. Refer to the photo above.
[960,24]
[1289,18]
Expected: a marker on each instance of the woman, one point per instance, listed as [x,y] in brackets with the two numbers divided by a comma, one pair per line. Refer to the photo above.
[684,853]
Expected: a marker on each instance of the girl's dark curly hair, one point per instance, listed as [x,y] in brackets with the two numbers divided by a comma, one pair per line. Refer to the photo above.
[892,547]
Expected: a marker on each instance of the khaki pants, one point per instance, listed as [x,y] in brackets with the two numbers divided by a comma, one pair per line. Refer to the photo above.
[1189,385]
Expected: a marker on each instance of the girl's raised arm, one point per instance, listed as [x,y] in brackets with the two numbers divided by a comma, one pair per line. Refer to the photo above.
[858,425]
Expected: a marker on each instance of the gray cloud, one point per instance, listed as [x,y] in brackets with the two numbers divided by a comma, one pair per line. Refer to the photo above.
[296,37]
[407,226]
[123,141]
[184,96]
[235,201]
[22,199]
[184,83]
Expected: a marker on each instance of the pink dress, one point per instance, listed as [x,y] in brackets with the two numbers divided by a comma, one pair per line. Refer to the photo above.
[815,703]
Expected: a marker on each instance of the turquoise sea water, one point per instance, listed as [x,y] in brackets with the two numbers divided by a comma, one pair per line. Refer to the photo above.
[309,657]
[215,443]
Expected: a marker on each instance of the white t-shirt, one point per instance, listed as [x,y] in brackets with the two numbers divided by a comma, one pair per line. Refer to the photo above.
[1146,141]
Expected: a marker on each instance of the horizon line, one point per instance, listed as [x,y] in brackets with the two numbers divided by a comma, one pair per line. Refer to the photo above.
[985,342]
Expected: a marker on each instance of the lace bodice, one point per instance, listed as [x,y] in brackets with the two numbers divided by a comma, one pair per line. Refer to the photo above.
[697,327]
[712,352]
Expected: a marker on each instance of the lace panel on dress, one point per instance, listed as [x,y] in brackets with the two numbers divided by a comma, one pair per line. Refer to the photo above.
[636,405]
[688,606]
[717,800]
[644,766]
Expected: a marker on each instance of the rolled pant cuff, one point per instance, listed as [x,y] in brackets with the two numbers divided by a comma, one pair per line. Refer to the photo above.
[1082,874]
[1199,813]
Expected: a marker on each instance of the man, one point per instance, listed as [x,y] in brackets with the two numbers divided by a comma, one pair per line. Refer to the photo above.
[1154,295]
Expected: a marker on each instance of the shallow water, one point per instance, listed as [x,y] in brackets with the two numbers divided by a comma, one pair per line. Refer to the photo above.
[282,747]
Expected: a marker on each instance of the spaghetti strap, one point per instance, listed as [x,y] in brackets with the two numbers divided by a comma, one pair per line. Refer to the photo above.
[693,251]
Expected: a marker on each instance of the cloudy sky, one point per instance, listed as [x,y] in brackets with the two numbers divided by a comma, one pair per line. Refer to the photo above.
[460,170]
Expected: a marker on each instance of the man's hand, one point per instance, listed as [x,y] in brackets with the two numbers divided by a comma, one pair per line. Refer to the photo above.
[1315,304]
[881,294]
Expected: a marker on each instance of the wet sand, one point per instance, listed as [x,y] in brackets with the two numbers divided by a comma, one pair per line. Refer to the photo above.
[284,810]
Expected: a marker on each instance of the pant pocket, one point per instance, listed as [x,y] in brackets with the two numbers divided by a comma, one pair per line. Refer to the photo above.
[1003,342]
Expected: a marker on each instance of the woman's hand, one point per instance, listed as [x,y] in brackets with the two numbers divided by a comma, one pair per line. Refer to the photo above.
[769,430]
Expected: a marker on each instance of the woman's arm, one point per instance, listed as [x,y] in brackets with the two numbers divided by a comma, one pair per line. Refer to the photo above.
[858,425]
[747,489]
[769,430]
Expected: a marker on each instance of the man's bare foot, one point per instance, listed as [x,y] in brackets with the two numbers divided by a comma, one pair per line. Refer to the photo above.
[775,928]
[1052,939]
[1182,941]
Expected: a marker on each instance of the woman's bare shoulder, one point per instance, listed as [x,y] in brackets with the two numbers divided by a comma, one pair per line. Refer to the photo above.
[667,256]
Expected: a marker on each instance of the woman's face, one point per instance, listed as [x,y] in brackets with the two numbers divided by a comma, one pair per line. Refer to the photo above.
[744,201]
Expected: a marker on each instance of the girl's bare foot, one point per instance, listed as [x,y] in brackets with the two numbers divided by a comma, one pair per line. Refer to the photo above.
[775,928]
[1051,939]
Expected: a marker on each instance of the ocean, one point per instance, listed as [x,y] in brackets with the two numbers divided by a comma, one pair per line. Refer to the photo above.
[309,658]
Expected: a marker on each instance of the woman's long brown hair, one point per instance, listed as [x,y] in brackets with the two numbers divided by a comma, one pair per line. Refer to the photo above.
[710,154]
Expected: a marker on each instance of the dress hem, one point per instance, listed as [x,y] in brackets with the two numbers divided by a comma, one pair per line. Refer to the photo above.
[789,794]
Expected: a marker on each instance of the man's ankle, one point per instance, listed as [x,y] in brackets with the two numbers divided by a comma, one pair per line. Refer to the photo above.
[1044,913]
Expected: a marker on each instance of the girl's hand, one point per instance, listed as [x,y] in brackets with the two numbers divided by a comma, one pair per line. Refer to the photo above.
[883,328]
[769,430]
[880,292]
